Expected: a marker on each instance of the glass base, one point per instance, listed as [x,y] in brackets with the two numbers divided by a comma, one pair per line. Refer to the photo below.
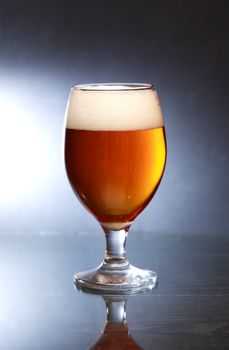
[116,280]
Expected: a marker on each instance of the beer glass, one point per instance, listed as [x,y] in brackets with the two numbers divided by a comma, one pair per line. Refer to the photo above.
[115,154]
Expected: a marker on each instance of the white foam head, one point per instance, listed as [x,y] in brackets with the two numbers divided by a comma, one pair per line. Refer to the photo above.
[113,107]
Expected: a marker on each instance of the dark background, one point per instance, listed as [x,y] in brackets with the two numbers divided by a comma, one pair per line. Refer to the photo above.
[179,46]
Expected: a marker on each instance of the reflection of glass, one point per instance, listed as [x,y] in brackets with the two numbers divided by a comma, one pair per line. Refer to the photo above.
[115,153]
[116,333]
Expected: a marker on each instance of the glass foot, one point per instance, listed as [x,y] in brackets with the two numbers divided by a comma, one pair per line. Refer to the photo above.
[122,279]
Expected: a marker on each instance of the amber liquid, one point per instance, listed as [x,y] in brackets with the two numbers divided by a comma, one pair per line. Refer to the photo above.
[115,173]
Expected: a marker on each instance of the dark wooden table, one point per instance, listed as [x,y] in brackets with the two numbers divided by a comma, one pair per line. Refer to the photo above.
[41,309]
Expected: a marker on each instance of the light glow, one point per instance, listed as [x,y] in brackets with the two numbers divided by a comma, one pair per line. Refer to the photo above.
[21,149]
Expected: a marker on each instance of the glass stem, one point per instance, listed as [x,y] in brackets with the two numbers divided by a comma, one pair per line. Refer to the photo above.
[115,254]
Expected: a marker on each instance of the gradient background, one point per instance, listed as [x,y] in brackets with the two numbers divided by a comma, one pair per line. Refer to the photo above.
[179,46]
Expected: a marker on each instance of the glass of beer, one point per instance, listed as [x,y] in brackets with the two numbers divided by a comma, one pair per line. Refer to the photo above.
[115,154]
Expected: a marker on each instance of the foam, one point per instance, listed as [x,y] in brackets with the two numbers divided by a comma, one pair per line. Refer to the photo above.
[113,107]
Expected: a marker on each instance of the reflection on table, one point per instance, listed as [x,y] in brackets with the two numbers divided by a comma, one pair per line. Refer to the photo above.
[115,334]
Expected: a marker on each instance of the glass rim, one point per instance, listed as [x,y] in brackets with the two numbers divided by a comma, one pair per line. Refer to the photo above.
[113,87]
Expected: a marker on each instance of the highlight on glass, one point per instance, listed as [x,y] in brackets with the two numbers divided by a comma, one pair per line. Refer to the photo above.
[115,154]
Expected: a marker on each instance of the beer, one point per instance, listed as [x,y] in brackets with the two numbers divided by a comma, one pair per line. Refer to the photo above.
[115,173]
[115,149]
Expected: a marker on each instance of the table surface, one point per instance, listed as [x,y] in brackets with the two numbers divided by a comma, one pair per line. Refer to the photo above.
[41,309]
